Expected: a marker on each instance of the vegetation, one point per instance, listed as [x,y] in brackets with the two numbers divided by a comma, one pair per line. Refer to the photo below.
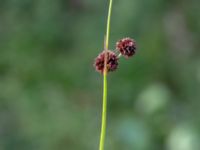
[50,95]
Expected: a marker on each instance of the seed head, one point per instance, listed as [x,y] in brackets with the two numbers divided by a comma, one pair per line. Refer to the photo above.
[126,47]
[112,61]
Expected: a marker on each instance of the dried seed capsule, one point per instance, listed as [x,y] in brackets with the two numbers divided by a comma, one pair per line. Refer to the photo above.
[126,47]
[112,61]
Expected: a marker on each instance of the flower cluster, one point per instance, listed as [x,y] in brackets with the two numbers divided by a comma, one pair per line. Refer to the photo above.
[112,61]
[125,47]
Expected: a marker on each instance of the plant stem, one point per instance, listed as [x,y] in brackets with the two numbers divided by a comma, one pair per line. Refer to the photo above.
[104,107]
[108,24]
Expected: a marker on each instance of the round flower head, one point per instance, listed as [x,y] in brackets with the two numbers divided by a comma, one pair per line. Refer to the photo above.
[126,47]
[112,61]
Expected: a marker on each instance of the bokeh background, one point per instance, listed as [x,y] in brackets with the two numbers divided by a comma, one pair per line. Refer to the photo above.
[51,96]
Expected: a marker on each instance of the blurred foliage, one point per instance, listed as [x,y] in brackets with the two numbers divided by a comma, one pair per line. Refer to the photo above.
[50,95]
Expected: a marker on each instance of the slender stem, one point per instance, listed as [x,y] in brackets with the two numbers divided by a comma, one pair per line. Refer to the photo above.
[104,107]
[108,23]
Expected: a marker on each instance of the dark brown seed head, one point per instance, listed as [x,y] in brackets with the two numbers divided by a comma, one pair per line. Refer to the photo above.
[112,61]
[126,47]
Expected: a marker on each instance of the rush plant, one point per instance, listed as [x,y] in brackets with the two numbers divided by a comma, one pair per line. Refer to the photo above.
[106,62]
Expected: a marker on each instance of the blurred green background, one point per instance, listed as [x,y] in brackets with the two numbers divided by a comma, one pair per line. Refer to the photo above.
[51,96]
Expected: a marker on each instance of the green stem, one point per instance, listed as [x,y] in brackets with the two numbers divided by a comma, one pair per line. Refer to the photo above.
[104,107]
[108,24]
